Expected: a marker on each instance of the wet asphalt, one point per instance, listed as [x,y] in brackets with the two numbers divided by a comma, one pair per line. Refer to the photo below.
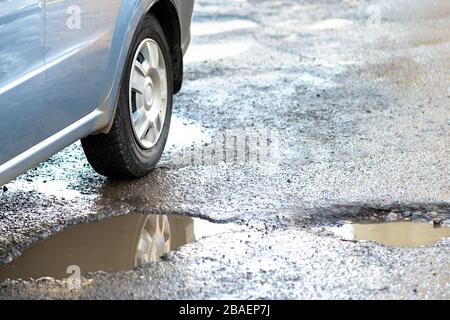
[356,102]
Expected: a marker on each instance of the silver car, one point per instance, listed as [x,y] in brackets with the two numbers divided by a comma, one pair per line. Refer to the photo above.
[102,71]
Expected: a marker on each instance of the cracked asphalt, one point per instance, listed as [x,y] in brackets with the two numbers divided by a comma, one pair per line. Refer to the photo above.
[359,106]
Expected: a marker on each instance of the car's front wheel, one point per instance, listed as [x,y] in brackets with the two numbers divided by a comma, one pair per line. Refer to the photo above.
[141,125]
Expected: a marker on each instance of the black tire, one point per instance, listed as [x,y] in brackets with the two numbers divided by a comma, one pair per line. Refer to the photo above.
[117,154]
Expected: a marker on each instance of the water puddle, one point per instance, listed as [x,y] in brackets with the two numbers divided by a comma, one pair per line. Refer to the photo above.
[56,188]
[217,51]
[117,244]
[402,234]
[210,28]
[329,24]
[183,133]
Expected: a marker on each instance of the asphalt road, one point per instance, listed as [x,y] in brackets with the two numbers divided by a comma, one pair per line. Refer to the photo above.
[353,103]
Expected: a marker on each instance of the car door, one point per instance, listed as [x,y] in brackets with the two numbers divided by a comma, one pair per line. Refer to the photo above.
[78,36]
[22,75]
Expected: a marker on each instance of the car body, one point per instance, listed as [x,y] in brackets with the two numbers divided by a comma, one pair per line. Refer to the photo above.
[61,66]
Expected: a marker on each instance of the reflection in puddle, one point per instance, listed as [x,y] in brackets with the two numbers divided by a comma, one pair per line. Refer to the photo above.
[395,234]
[207,52]
[116,244]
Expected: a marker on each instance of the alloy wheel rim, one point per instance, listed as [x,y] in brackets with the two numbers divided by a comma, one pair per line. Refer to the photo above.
[148,93]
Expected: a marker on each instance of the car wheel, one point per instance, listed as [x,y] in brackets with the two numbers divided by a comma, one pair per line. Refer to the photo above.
[141,125]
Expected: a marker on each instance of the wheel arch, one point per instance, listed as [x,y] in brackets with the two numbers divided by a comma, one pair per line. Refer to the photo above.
[167,15]
[132,14]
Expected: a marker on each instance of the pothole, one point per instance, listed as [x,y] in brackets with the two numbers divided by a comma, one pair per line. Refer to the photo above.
[403,234]
[398,225]
[116,244]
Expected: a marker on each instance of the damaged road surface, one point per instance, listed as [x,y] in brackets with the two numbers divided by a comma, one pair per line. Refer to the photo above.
[340,189]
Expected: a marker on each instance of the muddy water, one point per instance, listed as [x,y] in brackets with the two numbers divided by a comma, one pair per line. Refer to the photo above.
[395,234]
[116,244]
